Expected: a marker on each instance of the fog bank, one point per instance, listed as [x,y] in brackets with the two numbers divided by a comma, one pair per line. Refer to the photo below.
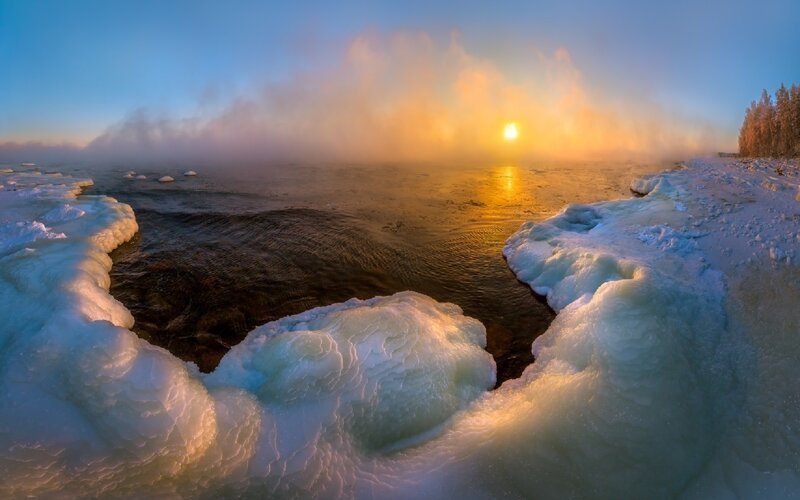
[404,97]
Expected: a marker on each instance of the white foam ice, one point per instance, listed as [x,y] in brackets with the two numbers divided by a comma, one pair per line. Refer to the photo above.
[643,386]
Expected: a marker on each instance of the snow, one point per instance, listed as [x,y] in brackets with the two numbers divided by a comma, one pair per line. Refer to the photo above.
[669,371]
[165,178]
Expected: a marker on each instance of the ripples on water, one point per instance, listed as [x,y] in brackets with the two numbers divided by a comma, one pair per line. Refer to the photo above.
[217,256]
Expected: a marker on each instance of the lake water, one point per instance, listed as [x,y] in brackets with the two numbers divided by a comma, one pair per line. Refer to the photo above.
[231,249]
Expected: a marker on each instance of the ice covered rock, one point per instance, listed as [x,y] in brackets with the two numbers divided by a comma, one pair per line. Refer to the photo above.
[643,185]
[383,374]
[165,178]
[140,176]
[190,173]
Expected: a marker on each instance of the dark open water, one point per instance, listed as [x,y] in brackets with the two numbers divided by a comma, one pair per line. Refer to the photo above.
[219,254]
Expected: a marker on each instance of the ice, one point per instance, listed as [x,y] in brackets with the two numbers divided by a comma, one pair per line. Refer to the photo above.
[190,173]
[643,185]
[669,370]
[66,212]
[165,178]
[140,176]
[14,235]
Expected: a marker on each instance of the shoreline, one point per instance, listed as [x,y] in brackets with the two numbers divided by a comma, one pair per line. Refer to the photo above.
[651,350]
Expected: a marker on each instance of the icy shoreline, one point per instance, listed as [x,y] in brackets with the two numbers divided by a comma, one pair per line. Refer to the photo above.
[656,379]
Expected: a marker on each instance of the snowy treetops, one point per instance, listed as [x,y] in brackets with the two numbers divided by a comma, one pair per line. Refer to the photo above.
[772,127]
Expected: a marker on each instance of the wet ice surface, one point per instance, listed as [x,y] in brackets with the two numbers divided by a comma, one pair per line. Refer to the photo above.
[669,371]
[218,255]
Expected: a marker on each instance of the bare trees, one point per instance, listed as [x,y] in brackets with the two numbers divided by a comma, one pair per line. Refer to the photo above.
[772,128]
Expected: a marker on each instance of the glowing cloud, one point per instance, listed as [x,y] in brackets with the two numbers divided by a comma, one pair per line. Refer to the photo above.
[406,97]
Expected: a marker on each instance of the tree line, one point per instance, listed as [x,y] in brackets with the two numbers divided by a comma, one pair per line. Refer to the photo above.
[771,127]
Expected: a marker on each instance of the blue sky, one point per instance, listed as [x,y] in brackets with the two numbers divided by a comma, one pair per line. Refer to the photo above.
[70,69]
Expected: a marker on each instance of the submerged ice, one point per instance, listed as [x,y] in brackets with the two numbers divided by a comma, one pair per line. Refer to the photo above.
[642,386]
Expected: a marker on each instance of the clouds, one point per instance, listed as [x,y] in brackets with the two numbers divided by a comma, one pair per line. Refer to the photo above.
[410,97]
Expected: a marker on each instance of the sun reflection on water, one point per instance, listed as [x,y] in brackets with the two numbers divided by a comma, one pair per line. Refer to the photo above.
[509,174]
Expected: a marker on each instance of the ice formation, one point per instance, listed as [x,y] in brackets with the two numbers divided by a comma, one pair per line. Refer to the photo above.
[190,173]
[653,381]
[165,178]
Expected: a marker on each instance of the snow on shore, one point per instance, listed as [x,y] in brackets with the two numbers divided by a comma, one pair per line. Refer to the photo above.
[669,370]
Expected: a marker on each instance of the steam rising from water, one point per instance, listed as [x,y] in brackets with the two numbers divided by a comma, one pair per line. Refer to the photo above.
[408,97]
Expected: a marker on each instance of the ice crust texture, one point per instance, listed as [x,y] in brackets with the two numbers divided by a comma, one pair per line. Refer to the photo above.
[642,386]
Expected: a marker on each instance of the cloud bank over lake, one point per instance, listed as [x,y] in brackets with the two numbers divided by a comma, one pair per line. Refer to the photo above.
[404,97]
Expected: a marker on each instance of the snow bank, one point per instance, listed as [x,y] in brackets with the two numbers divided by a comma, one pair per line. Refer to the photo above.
[653,380]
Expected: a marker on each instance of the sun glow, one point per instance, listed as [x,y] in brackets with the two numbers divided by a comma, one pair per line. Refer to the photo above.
[510,132]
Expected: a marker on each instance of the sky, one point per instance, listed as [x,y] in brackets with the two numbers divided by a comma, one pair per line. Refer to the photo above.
[370,80]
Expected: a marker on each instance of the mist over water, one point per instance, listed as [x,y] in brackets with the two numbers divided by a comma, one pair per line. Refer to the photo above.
[407,96]
[218,255]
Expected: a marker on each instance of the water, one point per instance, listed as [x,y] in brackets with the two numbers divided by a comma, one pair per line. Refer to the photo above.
[219,254]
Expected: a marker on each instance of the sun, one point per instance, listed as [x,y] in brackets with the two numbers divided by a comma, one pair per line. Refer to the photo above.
[510,132]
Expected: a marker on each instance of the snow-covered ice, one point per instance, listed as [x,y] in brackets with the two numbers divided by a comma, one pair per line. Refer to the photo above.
[669,371]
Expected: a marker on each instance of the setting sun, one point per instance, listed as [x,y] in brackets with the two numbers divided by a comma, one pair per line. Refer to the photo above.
[510,132]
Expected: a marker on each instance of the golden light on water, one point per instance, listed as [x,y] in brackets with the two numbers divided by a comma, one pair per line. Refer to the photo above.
[508,175]
[510,132]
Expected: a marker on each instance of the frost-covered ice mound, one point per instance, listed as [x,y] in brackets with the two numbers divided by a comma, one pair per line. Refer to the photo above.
[651,382]
[683,388]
